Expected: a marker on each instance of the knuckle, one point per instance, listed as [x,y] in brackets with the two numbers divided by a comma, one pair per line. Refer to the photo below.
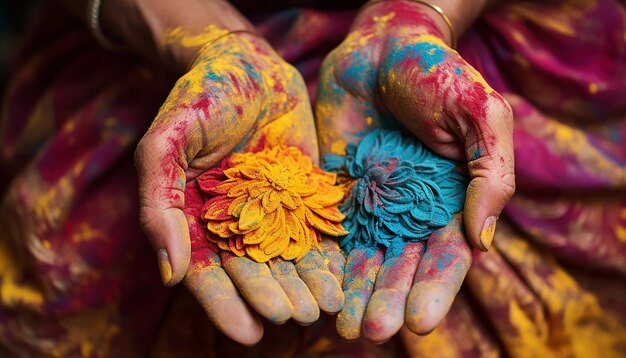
[502,107]
[508,185]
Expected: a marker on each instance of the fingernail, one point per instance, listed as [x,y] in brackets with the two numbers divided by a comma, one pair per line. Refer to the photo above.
[164,266]
[489,229]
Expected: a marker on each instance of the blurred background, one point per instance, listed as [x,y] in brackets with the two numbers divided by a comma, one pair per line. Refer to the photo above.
[14,15]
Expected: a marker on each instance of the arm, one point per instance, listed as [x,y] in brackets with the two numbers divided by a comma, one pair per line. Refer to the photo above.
[143,25]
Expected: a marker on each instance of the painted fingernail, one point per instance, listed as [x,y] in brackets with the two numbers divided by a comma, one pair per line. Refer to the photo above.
[489,229]
[164,266]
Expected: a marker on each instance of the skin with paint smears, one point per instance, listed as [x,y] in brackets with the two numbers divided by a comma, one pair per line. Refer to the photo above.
[269,204]
[237,96]
[395,70]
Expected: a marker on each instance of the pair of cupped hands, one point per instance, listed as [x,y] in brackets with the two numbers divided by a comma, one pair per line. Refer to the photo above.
[393,70]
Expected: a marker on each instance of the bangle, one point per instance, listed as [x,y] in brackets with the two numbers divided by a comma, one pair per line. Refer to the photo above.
[436,8]
[212,42]
[93,21]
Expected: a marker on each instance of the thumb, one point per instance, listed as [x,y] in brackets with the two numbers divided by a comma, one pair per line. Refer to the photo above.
[201,122]
[489,151]
[163,158]
[161,175]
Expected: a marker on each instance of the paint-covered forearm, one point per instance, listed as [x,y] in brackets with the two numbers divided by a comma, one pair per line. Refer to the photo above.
[143,26]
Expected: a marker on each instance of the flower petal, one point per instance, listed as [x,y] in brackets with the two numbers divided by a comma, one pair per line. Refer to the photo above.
[253,172]
[288,199]
[234,246]
[270,200]
[323,225]
[251,215]
[235,207]
[223,245]
[255,253]
[210,180]
[277,229]
[221,228]
[325,196]
[330,213]
[293,225]
[216,208]
[276,246]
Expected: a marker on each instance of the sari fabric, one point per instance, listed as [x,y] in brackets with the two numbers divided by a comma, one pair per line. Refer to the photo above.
[77,277]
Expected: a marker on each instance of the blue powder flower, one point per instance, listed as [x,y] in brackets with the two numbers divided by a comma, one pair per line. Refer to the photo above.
[400,191]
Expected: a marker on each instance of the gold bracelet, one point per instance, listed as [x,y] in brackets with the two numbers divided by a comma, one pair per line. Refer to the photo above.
[432,6]
[212,42]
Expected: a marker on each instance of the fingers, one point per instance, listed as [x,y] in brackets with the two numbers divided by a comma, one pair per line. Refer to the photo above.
[210,284]
[384,315]
[438,278]
[305,310]
[334,257]
[223,305]
[489,149]
[257,285]
[321,282]
[358,284]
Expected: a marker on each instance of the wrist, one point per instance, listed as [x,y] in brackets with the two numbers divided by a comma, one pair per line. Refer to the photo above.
[415,15]
[215,40]
[145,26]
[446,19]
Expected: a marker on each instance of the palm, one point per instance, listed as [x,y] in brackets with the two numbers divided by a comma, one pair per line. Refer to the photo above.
[361,89]
[237,97]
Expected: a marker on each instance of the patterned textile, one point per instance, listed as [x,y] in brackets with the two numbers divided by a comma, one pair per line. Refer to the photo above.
[77,277]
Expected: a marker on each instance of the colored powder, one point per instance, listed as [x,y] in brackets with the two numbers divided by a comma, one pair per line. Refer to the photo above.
[272,203]
[399,191]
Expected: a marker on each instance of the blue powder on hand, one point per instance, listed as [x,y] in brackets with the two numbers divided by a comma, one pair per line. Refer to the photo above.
[400,191]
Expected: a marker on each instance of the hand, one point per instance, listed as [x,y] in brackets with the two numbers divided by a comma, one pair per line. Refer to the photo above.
[394,69]
[238,95]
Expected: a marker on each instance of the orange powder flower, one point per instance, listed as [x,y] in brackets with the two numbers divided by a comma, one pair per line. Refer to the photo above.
[273,203]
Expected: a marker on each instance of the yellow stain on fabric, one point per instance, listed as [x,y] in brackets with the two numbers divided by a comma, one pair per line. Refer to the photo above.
[85,232]
[578,326]
[620,233]
[91,332]
[571,141]
[38,127]
[439,343]
[517,36]
[12,291]
[558,21]
[52,204]
[274,203]
[528,341]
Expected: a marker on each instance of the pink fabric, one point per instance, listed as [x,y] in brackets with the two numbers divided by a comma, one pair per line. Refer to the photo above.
[77,277]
